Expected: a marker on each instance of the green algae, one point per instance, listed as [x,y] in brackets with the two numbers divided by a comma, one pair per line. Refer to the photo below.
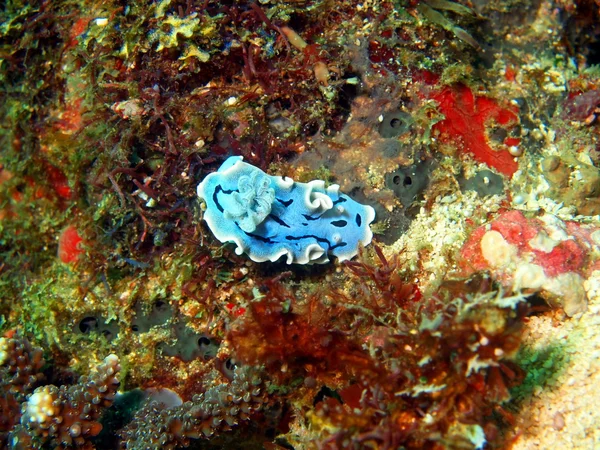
[542,368]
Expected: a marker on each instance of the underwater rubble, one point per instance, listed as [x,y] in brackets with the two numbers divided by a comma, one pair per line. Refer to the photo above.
[407,257]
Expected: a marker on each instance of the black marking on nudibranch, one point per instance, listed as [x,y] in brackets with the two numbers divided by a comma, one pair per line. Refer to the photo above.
[278,220]
[309,236]
[285,203]
[318,239]
[218,189]
[358,220]
[307,217]
[266,240]
[339,223]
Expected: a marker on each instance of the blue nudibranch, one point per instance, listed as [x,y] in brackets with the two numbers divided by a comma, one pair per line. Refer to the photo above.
[268,217]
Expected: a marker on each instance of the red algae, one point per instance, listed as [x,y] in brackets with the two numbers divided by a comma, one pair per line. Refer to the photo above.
[557,257]
[268,334]
[566,256]
[59,183]
[467,117]
[79,27]
[70,245]
[70,119]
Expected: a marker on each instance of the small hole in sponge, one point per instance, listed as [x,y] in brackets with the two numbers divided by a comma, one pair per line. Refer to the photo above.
[107,334]
[88,324]
[395,123]
[230,364]
[203,341]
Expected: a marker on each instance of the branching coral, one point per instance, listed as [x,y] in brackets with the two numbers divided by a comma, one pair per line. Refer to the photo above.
[63,417]
[20,365]
[218,409]
[67,416]
[20,372]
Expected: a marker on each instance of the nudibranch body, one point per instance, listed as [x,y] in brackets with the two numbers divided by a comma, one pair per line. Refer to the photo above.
[268,217]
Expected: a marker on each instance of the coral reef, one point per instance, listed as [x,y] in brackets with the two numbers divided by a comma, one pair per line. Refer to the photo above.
[216,410]
[20,372]
[543,254]
[61,417]
[469,128]
[385,353]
